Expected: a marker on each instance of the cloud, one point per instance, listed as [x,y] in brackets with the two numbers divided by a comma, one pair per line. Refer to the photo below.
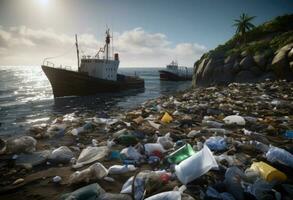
[22,45]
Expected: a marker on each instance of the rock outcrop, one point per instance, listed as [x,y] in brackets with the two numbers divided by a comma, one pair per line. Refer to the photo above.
[267,54]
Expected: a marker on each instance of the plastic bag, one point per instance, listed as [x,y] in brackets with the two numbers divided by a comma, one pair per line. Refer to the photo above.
[216,143]
[234,119]
[61,155]
[130,153]
[24,144]
[120,169]
[91,154]
[165,141]
[94,172]
[151,147]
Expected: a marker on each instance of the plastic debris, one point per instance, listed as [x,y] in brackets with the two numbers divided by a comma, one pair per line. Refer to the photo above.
[180,154]
[268,172]
[130,153]
[61,155]
[56,179]
[120,169]
[92,173]
[23,144]
[88,192]
[282,156]
[234,119]
[166,141]
[170,195]
[195,166]
[216,143]
[91,154]
[166,118]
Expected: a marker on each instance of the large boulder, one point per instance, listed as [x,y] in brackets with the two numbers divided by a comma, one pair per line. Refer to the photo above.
[280,63]
[260,60]
[247,62]
[245,76]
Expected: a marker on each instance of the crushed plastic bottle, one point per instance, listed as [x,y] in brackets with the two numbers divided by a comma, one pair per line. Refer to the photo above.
[282,156]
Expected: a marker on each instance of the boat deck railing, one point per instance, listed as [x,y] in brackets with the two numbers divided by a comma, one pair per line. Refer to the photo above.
[51,64]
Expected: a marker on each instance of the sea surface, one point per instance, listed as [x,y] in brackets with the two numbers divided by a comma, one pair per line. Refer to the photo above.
[26,97]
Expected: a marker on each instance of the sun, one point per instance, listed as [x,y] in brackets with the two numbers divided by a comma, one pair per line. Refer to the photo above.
[43,2]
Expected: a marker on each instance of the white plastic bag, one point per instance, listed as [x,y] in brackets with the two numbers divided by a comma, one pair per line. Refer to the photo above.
[94,172]
[120,169]
[234,119]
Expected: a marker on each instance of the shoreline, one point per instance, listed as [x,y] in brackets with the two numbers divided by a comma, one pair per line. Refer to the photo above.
[264,106]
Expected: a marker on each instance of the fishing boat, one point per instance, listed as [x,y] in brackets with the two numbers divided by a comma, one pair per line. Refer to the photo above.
[175,73]
[95,74]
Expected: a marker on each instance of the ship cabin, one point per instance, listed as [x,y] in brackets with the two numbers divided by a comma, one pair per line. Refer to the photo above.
[173,66]
[103,68]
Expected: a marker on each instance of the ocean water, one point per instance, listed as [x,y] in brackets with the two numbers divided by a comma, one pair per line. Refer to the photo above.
[26,97]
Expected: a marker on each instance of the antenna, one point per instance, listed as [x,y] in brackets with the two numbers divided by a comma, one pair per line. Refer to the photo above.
[77,51]
[112,44]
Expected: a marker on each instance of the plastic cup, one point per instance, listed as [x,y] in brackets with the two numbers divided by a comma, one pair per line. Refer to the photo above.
[195,166]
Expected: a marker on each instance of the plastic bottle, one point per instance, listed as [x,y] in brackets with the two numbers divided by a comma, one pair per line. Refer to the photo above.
[268,172]
[282,156]
[180,154]
[126,140]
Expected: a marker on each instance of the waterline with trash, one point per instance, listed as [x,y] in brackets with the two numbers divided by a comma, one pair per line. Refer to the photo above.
[26,97]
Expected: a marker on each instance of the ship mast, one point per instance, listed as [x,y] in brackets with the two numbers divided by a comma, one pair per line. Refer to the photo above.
[77,51]
[107,43]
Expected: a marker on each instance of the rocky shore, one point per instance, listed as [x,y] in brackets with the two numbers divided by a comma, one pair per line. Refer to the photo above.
[232,142]
[266,53]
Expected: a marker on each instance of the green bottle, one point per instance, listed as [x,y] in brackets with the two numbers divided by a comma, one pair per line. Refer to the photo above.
[180,154]
[127,140]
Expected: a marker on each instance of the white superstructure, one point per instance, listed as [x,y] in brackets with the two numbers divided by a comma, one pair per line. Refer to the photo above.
[180,71]
[104,68]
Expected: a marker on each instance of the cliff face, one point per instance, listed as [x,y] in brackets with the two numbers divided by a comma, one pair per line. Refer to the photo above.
[267,53]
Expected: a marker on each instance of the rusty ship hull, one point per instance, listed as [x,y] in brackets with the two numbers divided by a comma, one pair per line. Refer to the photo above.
[72,83]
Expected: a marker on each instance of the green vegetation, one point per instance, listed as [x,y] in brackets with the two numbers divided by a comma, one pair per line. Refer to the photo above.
[269,36]
[243,25]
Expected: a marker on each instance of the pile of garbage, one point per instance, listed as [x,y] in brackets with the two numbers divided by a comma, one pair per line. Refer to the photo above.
[225,143]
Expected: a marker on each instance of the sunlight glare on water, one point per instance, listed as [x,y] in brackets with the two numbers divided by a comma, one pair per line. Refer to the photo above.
[26,97]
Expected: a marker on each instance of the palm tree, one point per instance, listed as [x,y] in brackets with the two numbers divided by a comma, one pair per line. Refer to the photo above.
[243,25]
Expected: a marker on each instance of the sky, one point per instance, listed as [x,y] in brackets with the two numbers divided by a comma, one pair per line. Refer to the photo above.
[147,33]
